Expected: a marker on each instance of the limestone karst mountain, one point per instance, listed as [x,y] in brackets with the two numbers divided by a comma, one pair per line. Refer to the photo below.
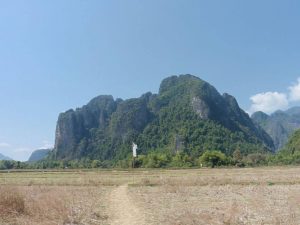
[188,114]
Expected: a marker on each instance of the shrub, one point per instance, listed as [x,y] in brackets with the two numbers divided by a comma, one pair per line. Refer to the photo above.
[181,160]
[156,160]
[237,156]
[140,161]
[256,159]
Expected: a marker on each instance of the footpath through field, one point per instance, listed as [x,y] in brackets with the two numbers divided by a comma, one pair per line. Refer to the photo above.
[123,210]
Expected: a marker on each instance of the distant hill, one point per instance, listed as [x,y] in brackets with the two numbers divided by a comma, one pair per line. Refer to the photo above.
[188,114]
[38,155]
[3,157]
[279,125]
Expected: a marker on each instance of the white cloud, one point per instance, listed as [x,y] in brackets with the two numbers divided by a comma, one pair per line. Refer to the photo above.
[268,102]
[294,91]
[4,145]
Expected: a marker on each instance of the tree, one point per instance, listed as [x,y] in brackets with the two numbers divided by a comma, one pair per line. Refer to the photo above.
[96,163]
[213,159]
[237,155]
[157,160]
[256,159]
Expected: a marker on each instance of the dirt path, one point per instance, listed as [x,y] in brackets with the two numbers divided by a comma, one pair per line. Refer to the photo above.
[123,210]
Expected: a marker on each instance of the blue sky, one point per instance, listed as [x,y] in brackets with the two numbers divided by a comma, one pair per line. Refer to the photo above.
[58,54]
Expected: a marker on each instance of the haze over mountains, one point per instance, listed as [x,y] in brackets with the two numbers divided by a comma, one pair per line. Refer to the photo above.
[38,155]
[188,114]
[3,157]
[279,125]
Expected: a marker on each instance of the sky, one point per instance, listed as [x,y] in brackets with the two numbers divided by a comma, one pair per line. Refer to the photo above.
[59,54]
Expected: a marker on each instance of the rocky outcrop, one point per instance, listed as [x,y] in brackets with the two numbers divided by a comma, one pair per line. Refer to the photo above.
[73,126]
[201,108]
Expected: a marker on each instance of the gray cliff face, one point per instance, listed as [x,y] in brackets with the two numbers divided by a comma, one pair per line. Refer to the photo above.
[69,128]
[201,108]
[72,125]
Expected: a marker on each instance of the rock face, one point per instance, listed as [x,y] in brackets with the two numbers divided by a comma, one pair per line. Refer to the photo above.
[185,107]
[200,107]
[73,127]
[39,155]
[279,125]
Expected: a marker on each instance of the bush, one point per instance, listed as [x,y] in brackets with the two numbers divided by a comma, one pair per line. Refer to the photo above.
[156,160]
[283,158]
[255,159]
[213,159]
[181,160]
[140,161]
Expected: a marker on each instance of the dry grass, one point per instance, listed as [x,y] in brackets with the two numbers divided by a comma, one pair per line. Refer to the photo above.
[52,205]
[171,197]
[222,196]
[12,201]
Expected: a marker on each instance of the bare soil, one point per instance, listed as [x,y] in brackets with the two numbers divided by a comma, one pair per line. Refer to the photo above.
[123,209]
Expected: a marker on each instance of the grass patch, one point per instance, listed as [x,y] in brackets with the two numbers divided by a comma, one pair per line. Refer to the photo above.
[12,201]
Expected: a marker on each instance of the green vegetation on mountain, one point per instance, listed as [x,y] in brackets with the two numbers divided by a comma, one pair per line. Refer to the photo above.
[290,153]
[187,116]
[293,145]
[279,125]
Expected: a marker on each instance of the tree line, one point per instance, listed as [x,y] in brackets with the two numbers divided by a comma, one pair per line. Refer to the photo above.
[158,159]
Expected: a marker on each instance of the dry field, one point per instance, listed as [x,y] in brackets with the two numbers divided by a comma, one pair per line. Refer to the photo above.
[173,197]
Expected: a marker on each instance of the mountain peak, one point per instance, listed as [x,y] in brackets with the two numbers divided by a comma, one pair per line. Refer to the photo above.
[259,116]
[173,81]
